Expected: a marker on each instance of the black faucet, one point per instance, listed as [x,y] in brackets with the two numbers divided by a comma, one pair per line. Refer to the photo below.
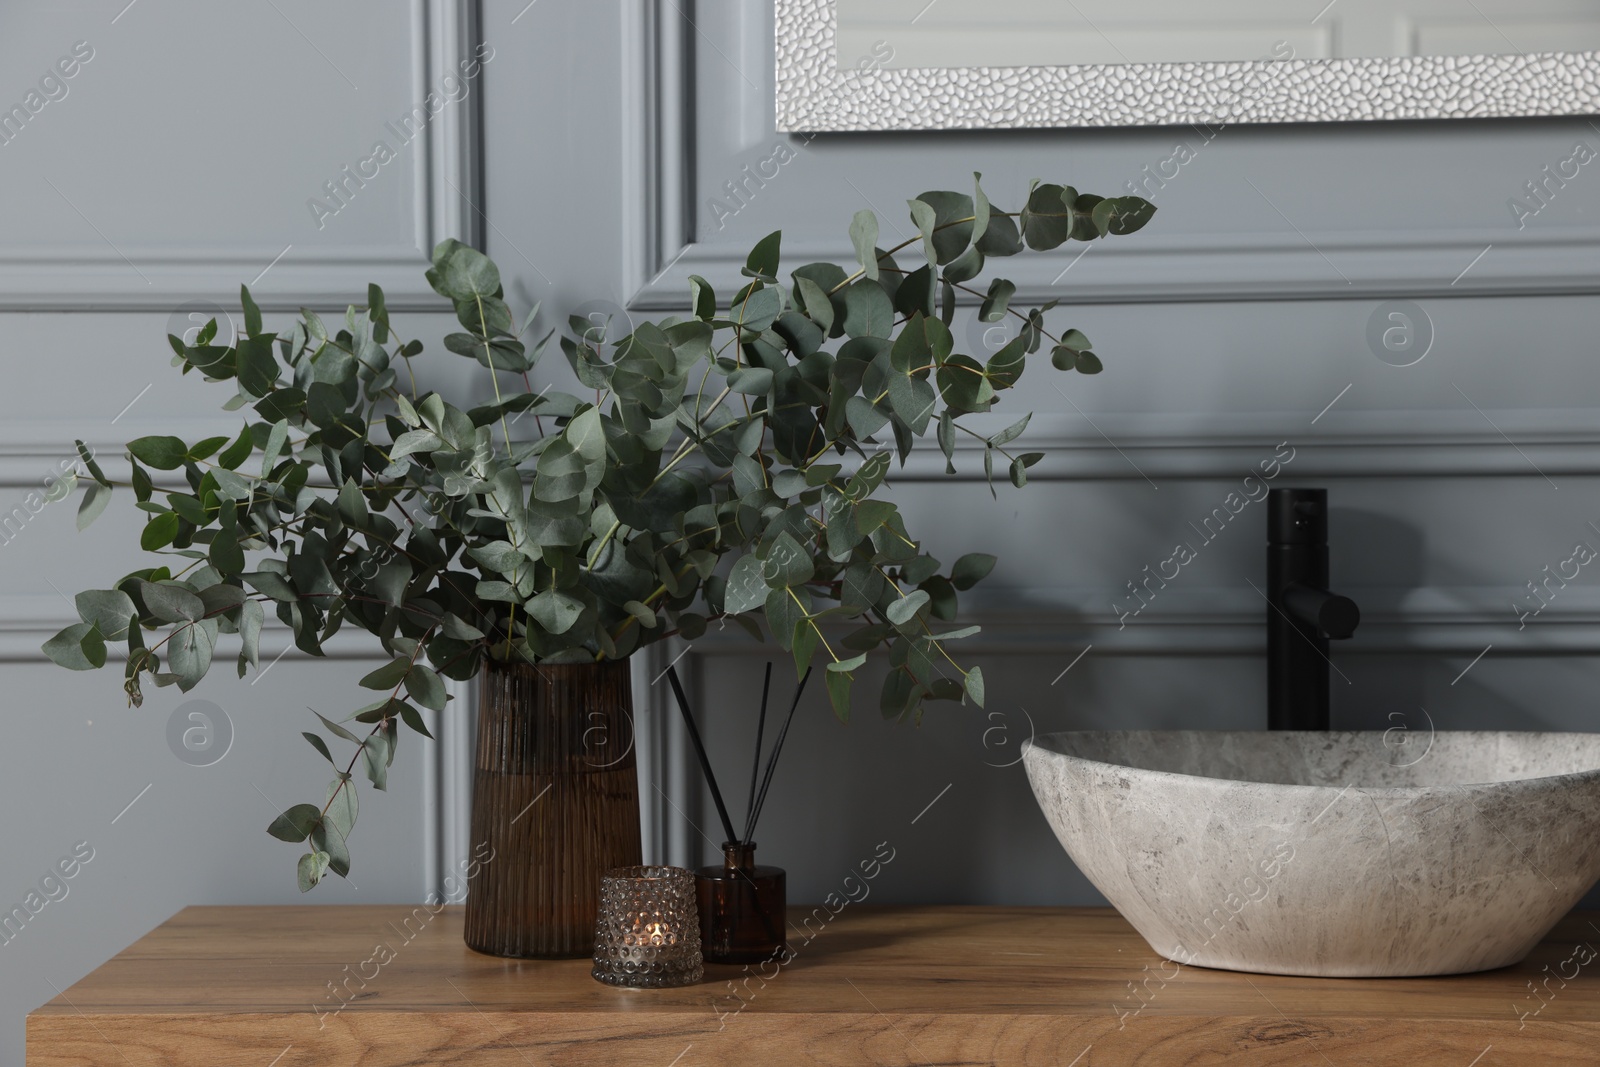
[1301,614]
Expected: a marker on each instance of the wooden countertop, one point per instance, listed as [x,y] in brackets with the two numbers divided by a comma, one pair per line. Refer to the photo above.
[254,986]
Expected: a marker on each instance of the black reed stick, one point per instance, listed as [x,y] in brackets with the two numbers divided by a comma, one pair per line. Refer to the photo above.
[777,748]
[700,750]
[755,761]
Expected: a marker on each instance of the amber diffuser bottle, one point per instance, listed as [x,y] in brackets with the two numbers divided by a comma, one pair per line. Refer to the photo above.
[741,904]
[741,907]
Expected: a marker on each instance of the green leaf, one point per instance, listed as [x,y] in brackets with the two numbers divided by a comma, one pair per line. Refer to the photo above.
[342,804]
[258,367]
[335,729]
[425,687]
[171,603]
[926,220]
[77,648]
[388,676]
[980,209]
[375,753]
[787,564]
[762,262]
[461,273]
[746,589]
[413,718]
[803,643]
[319,744]
[272,584]
[702,297]
[87,456]
[226,554]
[309,872]
[237,452]
[871,514]
[864,235]
[352,505]
[864,417]
[1088,363]
[868,311]
[95,499]
[973,681]
[905,609]
[838,694]
[1005,366]
[1012,432]
[751,381]
[556,612]
[1047,220]
[971,569]
[818,307]
[329,842]
[109,609]
[251,616]
[995,304]
[189,652]
[1075,340]
[1125,215]
[231,486]
[162,453]
[252,314]
[456,628]
[296,823]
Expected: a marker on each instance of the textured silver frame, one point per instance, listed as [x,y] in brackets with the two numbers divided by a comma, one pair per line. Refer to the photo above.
[814,95]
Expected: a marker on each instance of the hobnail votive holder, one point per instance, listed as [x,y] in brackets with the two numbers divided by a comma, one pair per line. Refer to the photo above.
[647,935]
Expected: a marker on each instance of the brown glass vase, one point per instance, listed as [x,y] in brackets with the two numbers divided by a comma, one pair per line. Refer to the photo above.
[741,907]
[555,804]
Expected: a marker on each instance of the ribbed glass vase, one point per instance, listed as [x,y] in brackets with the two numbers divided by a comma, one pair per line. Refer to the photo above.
[555,799]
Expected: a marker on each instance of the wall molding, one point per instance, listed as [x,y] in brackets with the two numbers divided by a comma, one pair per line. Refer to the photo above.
[446,160]
[1115,447]
[661,191]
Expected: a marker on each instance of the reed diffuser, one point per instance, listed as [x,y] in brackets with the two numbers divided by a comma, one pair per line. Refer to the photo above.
[741,902]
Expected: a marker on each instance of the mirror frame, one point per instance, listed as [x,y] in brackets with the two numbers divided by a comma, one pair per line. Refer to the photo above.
[814,95]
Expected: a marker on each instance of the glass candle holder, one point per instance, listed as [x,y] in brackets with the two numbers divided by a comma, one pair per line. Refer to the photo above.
[647,935]
[742,916]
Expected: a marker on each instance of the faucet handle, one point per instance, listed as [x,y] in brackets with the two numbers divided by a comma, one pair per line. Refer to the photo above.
[1297,517]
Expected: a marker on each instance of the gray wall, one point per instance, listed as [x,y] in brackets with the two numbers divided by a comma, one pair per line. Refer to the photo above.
[180,162]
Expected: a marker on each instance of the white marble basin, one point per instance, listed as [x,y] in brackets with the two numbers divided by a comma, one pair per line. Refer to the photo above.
[1330,854]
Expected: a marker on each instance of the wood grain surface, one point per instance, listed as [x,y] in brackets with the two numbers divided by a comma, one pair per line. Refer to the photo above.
[1073,987]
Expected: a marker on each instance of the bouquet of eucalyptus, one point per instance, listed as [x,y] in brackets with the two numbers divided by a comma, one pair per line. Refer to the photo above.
[728,464]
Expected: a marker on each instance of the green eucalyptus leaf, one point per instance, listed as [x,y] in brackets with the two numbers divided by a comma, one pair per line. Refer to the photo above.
[388,676]
[171,603]
[162,453]
[311,868]
[864,235]
[77,648]
[95,499]
[425,687]
[762,262]
[971,569]
[109,609]
[905,609]
[747,586]
[997,301]
[319,744]
[295,824]
[868,310]
[973,683]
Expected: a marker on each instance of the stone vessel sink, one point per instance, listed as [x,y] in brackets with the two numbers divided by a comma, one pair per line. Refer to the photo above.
[1330,854]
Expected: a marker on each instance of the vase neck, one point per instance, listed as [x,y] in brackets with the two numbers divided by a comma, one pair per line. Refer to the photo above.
[738,855]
